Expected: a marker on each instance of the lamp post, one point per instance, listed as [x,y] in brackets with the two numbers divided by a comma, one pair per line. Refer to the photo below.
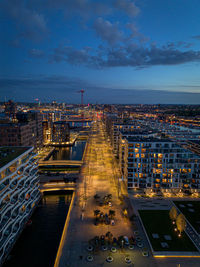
[122,243]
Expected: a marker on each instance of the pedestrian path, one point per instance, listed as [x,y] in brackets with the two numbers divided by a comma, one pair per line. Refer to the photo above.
[96,178]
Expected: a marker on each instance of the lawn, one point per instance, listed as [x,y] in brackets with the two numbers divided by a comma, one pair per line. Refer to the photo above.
[192,217]
[158,222]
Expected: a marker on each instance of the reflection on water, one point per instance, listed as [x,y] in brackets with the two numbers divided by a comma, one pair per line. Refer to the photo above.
[39,242]
[74,152]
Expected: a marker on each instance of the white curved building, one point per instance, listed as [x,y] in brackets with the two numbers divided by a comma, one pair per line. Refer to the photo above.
[19,193]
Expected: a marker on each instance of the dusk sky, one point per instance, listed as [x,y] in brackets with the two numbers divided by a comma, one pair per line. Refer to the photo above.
[119,51]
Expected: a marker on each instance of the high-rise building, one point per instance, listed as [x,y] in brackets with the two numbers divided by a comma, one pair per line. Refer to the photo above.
[19,193]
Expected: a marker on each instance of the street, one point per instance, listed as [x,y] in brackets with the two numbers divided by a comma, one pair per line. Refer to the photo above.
[97,177]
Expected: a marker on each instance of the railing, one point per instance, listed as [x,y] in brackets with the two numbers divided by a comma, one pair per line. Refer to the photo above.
[4,213]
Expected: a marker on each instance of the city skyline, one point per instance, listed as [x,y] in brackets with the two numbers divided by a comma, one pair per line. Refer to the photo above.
[118,51]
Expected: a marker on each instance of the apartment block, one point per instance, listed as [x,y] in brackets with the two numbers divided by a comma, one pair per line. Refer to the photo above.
[60,133]
[161,164]
[117,129]
[19,193]
[25,131]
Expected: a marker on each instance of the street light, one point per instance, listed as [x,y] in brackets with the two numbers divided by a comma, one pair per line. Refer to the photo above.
[122,243]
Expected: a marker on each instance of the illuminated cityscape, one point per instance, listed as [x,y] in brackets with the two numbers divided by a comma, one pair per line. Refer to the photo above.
[118,172]
[100,133]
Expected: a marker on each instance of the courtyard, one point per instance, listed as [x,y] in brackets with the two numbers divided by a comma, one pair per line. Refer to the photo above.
[161,233]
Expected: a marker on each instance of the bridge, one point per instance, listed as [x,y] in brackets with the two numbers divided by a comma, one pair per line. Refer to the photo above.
[57,186]
[60,163]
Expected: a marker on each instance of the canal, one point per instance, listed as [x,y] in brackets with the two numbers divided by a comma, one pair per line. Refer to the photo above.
[74,152]
[39,242]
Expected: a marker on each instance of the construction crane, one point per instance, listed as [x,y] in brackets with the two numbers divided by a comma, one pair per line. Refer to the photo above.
[82,92]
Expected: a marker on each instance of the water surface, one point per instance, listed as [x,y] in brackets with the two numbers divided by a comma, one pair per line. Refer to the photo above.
[39,242]
[74,152]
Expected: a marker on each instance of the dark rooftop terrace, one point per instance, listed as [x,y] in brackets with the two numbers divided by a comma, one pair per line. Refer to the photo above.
[8,154]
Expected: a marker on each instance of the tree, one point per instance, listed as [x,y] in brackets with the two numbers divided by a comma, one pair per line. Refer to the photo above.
[105,200]
[96,213]
[125,212]
[96,197]
[173,213]
[181,222]
[109,196]
[109,235]
[111,213]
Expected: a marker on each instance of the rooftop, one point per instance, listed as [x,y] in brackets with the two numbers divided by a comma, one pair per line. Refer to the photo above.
[136,132]
[8,154]
[147,139]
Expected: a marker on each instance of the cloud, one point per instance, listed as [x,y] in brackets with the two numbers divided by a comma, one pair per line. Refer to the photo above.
[30,24]
[178,44]
[15,43]
[88,8]
[84,8]
[108,31]
[128,7]
[135,34]
[64,89]
[41,81]
[71,55]
[36,53]
[130,55]
[197,37]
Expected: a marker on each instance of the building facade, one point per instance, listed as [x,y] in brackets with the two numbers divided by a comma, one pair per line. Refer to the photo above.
[19,193]
[161,164]
[26,131]
[60,133]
